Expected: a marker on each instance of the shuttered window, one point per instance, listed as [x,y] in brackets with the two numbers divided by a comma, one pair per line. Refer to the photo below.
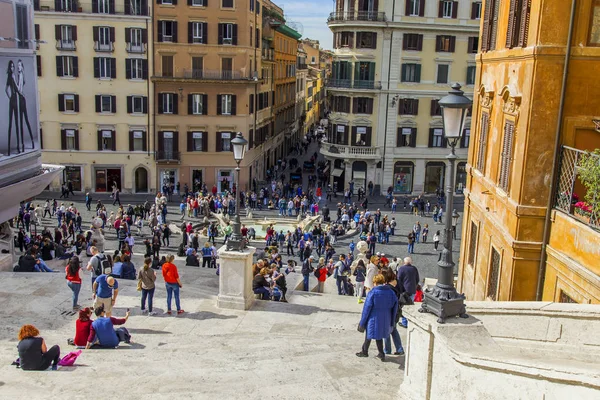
[490,25]
[506,157]
[518,23]
[494,275]
[483,134]
[473,243]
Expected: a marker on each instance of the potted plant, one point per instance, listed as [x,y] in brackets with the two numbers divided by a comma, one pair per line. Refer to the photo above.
[582,211]
[589,175]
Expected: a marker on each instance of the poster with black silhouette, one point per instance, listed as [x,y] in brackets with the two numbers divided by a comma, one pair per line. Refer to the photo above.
[18,107]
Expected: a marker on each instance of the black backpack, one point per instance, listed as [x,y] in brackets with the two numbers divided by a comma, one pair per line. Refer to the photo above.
[317,272]
[104,265]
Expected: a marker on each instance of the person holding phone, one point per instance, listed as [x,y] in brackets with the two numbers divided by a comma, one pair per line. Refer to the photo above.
[102,332]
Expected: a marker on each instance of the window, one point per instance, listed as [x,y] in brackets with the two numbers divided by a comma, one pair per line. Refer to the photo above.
[135,39]
[415,8]
[362,135]
[67,66]
[197,104]
[106,140]
[70,139]
[227,3]
[363,105]
[442,73]
[105,68]
[167,31]
[412,41]
[465,139]
[408,107]
[167,103]
[448,9]
[483,134]
[366,40]
[197,32]
[473,45]
[196,141]
[471,71]
[341,104]
[168,2]
[407,137]
[66,35]
[226,104]
[226,68]
[199,3]
[473,243]
[104,6]
[106,104]
[197,67]
[228,34]
[136,68]
[494,275]
[224,141]
[490,25]
[312,60]
[565,298]
[66,5]
[167,65]
[137,105]
[68,102]
[138,141]
[445,43]
[104,37]
[411,73]
[506,158]
[435,108]
[518,23]
[136,7]
[476,10]
[436,137]
[22,28]
[344,39]
[38,62]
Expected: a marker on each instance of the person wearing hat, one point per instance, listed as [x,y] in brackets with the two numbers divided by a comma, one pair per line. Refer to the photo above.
[307,268]
[105,291]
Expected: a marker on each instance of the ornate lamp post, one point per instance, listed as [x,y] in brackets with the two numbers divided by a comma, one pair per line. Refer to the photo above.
[443,300]
[240,145]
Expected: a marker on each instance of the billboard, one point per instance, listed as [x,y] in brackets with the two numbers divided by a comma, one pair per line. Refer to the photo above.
[19,127]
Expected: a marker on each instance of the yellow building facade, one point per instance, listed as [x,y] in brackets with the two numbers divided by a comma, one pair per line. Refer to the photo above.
[392,62]
[522,237]
[95,97]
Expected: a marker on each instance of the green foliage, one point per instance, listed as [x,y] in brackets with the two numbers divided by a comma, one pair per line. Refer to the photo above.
[589,174]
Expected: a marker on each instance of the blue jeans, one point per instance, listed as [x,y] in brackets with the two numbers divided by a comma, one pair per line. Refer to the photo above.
[75,287]
[411,248]
[149,294]
[417,234]
[306,278]
[342,284]
[266,294]
[387,342]
[380,239]
[172,288]
[42,267]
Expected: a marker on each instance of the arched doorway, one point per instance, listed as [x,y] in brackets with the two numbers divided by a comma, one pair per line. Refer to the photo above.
[141,180]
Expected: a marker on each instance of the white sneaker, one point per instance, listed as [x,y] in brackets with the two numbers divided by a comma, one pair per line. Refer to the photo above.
[144,311]
[152,313]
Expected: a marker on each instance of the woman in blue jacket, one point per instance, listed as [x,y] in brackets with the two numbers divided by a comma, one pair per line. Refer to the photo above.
[378,316]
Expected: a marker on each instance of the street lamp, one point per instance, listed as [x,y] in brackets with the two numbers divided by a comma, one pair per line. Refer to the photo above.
[240,145]
[443,300]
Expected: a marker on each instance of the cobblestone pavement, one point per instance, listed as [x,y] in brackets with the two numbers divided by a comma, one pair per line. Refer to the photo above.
[425,256]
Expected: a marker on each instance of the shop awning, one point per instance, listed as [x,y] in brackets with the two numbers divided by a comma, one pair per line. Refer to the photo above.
[337,172]
[359,174]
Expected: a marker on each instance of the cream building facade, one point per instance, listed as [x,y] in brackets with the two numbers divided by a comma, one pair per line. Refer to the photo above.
[95,97]
[392,62]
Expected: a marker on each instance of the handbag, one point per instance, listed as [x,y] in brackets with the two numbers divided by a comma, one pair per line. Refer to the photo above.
[139,284]
[69,359]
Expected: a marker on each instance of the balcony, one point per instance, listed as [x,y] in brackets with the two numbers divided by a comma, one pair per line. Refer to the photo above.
[135,48]
[356,84]
[358,152]
[571,192]
[131,7]
[268,54]
[167,156]
[301,66]
[104,47]
[207,75]
[356,16]
[66,45]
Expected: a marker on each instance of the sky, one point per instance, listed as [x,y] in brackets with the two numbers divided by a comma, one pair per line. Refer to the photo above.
[312,14]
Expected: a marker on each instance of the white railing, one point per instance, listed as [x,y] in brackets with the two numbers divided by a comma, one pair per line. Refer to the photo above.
[350,151]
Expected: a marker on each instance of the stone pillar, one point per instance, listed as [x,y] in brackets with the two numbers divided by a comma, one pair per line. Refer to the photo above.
[235,279]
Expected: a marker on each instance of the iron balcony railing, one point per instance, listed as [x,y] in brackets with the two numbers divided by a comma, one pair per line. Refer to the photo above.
[357,16]
[356,84]
[129,7]
[302,66]
[167,156]
[66,45]
[204,74]
[567,197]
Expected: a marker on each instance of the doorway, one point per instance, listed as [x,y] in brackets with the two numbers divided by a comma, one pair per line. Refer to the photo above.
[197,180]
[73,174]
[106,178]
[225,180]
[141,180]
[434,176]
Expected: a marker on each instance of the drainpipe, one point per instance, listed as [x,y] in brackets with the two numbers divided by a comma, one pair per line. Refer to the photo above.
[555,161]
[387,101]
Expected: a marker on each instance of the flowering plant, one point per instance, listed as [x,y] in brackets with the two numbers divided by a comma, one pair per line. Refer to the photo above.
[583,208]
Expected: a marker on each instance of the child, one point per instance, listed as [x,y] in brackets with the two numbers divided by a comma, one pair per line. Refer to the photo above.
[419,295]
[352,246]
[436,239]
[425,232]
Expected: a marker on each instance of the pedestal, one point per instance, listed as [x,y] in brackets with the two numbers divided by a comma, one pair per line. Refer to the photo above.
[235,279]
[99,238]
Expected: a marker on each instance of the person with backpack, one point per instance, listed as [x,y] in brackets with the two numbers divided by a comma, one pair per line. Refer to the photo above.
[321,275]
[206,255]
[343,271]
[99,264]
[307,268]
[360,272]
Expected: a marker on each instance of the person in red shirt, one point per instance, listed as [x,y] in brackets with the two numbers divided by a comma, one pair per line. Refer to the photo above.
[172,282]
[322,275]
[319,192]
[74,280]
[82,327]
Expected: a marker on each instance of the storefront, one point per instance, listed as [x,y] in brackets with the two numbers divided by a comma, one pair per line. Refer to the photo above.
[225,180]
[197,180]
[434,176]
[359,174]
[403,177]
[461,177]
[105,178]
[73,174]
[168,177]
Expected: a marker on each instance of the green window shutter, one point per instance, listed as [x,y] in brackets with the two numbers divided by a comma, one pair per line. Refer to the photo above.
[418,73]
[372,71]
